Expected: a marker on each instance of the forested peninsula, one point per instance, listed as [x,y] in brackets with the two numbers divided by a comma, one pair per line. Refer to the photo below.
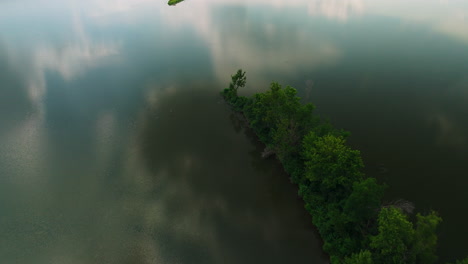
[345,205]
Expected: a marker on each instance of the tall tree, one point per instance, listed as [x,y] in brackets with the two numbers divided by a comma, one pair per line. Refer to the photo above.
[238,80]
[363,257]
[333,165]
[363,203]
[396,234]
[277,116]
[425,241]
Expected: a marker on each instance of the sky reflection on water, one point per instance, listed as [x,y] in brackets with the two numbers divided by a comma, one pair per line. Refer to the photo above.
[106,107]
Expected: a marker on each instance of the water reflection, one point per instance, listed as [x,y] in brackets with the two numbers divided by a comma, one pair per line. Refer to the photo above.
[265,48]
[237,37]
[447,17]
[115,148]
[38,54]
[340,10]
[229,222]
[449,134]
[14,100]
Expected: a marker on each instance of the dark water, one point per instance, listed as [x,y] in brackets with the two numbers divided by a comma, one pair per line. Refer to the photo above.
[115,147]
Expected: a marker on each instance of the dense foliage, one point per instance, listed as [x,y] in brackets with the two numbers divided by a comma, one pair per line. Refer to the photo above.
[346,206]
[463,261]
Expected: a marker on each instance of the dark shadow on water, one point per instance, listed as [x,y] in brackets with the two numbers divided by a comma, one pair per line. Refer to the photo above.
[15,103]
[241,208]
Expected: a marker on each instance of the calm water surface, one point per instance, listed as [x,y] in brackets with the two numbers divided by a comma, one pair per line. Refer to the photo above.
[116,148]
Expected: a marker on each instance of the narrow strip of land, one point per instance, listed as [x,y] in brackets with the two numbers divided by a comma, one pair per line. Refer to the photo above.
[346,206]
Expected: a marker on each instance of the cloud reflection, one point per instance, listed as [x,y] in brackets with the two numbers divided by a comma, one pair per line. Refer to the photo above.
[271,46]
[446,17]
[69,57]
[185,190]
[448,132]
[336,9]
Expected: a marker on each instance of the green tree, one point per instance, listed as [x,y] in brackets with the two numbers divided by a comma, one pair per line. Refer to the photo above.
[425,241]
[334,228]
[230,94]
[344,205]
[392,244]
[332,165]
[278,118]
[363,203]
[238,80]
[270,108]
[363,257]
[463,261]
[285,138]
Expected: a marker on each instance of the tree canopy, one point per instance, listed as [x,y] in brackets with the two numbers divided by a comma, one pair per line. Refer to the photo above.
[346,206]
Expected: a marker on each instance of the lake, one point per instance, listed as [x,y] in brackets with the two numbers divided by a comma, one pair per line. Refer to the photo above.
[115,146]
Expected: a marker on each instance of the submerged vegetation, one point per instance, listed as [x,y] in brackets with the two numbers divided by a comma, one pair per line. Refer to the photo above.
[346,206]
[174,2]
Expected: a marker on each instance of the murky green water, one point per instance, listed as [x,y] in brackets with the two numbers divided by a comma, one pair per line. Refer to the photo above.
[115,147]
